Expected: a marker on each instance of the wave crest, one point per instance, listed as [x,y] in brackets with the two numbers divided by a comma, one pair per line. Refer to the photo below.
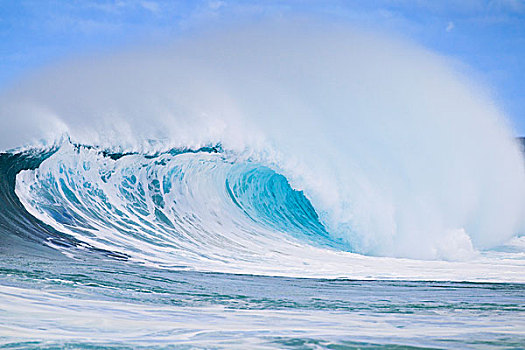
[175,208]
[399,154]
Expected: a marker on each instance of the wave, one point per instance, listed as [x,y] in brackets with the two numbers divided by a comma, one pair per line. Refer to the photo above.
[205,210]
[179,203]
[247,151]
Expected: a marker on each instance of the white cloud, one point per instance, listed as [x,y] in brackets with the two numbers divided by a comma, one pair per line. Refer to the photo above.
[109,7]
[515,6]
[450,26]
[151,6]
[214,5]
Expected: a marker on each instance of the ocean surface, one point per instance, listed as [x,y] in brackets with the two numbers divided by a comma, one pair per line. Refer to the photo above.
[197,249]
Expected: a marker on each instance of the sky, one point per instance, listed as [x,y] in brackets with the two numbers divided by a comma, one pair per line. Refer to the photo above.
[488,36]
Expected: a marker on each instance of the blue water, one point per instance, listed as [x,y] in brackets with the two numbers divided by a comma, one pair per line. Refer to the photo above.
[202,250]
[50,302]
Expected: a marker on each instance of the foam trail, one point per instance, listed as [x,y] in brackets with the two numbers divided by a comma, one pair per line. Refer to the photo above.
[398,153]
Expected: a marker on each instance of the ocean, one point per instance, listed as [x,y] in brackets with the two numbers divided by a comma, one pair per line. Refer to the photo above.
[286,185]
[60,288]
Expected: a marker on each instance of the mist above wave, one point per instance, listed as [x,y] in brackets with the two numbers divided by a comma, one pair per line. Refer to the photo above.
[399,153]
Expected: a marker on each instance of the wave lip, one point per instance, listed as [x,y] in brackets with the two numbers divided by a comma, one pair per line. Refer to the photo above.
[208,210]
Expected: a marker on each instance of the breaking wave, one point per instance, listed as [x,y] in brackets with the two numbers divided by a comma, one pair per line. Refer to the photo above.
[251,152]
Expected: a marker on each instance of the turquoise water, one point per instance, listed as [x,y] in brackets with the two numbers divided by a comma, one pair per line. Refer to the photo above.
[194,250]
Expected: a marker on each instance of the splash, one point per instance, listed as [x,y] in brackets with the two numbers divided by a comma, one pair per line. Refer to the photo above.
[396,152]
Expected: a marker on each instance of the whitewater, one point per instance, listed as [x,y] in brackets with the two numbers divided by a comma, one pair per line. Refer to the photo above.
[280,185]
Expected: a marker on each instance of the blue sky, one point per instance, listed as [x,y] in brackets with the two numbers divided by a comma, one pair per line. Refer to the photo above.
[487,35]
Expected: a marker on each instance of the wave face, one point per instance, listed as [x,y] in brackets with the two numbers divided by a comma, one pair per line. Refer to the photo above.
[205,210]
[176,207]
[331,140]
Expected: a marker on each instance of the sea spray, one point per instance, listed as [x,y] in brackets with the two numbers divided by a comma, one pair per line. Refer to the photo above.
[398,152]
